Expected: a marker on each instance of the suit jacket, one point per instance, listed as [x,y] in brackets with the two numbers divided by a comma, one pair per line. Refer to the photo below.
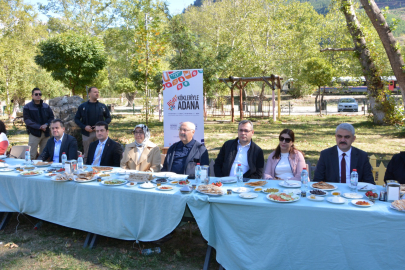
[150,159]
[226,157]
[198,154]
[69,146]
[327,169]
[111,156]
[396,168]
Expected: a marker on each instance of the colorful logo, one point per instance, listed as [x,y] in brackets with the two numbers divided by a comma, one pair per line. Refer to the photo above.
[172,103]
[178,78]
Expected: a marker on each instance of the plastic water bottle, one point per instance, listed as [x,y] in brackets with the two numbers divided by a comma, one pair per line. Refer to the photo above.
[27,157]
[304,180]
[150,251]
[197,174]
[239,175]
[80,163]
[354,179]
[38,225]
[64,159]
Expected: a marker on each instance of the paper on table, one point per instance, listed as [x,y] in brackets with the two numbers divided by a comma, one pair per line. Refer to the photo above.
[393,193]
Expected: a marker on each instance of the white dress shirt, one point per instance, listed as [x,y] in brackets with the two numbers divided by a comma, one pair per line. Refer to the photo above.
[56,149]
[240,158]
[283,167]
[347,159]
[100,145]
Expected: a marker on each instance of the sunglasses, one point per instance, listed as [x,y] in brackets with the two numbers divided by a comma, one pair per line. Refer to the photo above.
[38,94]
[284,139]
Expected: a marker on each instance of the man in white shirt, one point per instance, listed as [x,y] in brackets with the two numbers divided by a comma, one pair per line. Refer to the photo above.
[241,150]
[336,163]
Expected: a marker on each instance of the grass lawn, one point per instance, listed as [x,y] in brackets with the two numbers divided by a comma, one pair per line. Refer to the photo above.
[55,246]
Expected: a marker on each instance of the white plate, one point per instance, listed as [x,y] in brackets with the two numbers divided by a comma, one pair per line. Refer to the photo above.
[129,184]
[162,189]
[241,190]
[352,195]
[248,195]
[182,185]
[367,186]
[3,165]
[354,203]
[209,194]
[264,190]
[336,199]
[123,183]
[154,181]
[295,197]
[103,171]
[178,177]
[326,193]
[145,185]
[54,179]
[37,173]
[327,189]
[228,180]
[45,165]
[56,165]
[392,207]
[295,191]
[163,174]
[317,198]
[84,181]
[49,174]
[3,156]
[290,184]
[121,172]
[6,170]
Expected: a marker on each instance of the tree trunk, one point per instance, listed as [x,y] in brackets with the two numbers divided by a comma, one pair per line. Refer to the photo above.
[321,102]
[316,100]
[130,97]
[261,98]
[370,71]
[390,44]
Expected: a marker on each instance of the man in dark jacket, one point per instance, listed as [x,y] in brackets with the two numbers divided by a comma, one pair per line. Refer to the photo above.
[396,168]
[242,151]
[58,144]
[37,117]
[183,156]
[87,115]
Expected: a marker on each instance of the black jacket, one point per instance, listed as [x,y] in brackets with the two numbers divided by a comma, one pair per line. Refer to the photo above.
[226,157]
[81,118]
[327,168]
[32,118]
[198,154]
[69,146]
[396,168]
[111,156]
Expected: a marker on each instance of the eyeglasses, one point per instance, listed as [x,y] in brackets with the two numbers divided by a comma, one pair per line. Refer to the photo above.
[287,140]
[184,130]
[138,132]
[38,94]
[346,137]
[244,130]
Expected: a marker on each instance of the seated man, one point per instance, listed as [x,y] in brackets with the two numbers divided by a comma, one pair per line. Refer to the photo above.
[336,163]
[104,151]
[60,143]
[241,150]
[182,157]
[396,168]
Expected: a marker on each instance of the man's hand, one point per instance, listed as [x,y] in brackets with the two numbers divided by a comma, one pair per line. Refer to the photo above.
[88,129]
[43,127]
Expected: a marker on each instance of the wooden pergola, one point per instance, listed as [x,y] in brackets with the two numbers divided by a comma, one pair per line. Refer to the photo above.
[272,81]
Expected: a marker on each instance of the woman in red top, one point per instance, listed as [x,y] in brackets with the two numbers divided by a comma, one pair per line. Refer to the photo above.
[3,139]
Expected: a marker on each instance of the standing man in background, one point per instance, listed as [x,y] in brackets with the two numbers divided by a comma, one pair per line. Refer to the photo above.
[87,115]
[37,117]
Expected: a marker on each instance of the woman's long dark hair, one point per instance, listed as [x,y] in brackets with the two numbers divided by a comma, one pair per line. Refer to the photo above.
[290,133]
[3,128]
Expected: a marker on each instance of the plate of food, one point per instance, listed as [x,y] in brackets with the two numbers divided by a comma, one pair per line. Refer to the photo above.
[362,186]
[139,177]
[210,190]
[103,175]
[30,173]
[248,195]
[217,183]
[336,199]
[258,189]
[398,205]
[241,189]
[147,185]
[56,165]
[259,183]
[175,182]
[63,177]
[318,192]
[102,169]
[228,180]
[362,203]
[6,170]
[85,177]
[28,168]
[52,174]
[165,188]
[270,190]
[160,180]
[352,195]
[323,185]
[182,182]
[40,163]
[114,182]
[282,197]
[131,184]
[290,183]
[315,198]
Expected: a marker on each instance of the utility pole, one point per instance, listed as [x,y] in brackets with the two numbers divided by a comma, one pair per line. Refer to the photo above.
[146,69]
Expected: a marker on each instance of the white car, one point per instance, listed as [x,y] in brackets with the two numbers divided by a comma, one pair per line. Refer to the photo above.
[348,104]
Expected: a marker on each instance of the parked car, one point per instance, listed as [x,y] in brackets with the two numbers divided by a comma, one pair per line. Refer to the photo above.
[348,104]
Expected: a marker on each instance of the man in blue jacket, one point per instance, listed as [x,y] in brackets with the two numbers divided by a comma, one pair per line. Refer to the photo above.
[87,115]
[37,117]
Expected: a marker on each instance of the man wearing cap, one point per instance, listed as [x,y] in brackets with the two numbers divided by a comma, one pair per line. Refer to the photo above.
[37,118]
[336,163]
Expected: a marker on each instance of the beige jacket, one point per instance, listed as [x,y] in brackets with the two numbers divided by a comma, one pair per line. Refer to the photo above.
[150,158]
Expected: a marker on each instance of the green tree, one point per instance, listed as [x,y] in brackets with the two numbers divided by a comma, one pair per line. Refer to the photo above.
[73,59]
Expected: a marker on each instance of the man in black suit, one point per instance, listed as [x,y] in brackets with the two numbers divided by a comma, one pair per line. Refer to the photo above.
[241,150]
[104,151]
[60,143]
[336,163]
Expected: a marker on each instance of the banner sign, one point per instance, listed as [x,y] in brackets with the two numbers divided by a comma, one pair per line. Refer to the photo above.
[183,101]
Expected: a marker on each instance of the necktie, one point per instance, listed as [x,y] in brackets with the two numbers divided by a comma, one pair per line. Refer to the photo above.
[98,156]
[343,169]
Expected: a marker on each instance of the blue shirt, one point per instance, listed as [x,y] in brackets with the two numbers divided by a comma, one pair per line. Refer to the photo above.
[180,155]
[56,150]
[100,145]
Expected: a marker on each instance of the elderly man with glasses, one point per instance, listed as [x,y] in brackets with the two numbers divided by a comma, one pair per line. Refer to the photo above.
[241,150]
[183,156]
[336,163]
[37,117]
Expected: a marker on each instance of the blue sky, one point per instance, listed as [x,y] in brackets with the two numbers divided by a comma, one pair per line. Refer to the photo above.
[175,6]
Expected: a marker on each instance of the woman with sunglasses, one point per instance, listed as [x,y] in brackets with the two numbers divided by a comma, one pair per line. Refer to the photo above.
[286,162]
[3,139]
[142,154]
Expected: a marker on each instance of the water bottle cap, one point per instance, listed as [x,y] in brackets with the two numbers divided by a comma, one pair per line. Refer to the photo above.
[63,153]
[304,168]
[198,163]
[80,155]
[239,164]
[355,170]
